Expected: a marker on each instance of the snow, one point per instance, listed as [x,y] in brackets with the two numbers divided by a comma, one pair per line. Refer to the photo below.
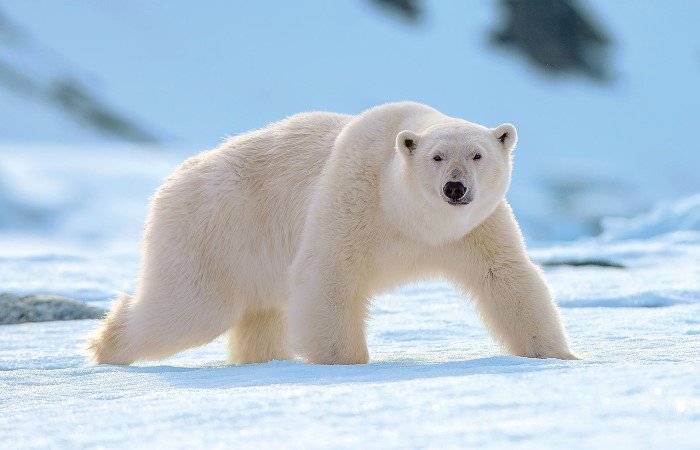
[677,216]
[435,379]
[66,199]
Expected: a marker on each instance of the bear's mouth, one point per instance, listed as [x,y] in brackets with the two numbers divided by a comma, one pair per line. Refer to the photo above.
[466,199]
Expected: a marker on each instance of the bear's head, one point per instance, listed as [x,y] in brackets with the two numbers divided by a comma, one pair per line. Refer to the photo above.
[460,171]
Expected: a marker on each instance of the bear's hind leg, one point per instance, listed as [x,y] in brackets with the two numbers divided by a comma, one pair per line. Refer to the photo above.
[154,328]
[260,336]
[103,347]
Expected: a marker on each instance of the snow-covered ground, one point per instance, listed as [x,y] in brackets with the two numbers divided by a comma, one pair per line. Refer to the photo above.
[435,380]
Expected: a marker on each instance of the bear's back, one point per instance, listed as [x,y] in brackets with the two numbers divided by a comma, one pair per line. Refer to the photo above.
[275,171]
[286,157]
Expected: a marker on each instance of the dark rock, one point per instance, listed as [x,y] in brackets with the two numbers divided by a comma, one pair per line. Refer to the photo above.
[584,262]
[43,308]
[557,35]
[411,10]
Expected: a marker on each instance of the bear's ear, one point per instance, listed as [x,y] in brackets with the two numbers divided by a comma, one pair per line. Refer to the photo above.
[406,142]
[507,135]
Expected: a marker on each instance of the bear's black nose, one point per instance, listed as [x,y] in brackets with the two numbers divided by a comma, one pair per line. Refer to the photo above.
[454,190]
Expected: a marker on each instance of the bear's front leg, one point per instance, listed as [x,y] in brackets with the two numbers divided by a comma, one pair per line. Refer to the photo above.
[328,310]
[520,312]
[510,291]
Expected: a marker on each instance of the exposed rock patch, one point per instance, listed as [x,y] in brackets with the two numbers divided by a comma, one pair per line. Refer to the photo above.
[43,308]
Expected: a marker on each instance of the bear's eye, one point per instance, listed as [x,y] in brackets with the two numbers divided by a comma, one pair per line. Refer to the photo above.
[437,158]
[477,157]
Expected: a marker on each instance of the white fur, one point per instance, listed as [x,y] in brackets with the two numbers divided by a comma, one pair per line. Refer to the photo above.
[283,235]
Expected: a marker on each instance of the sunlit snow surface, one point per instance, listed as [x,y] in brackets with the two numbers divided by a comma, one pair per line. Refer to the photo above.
[436,380]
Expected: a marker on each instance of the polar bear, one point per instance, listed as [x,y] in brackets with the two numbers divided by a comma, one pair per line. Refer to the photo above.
[282,236]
